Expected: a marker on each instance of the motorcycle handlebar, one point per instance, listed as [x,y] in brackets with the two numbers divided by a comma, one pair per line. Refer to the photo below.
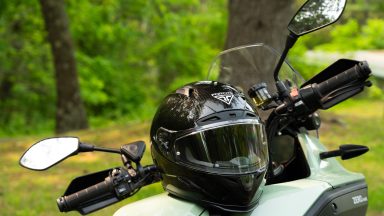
[73,201]
[358,72]
[314,96]
[118,185]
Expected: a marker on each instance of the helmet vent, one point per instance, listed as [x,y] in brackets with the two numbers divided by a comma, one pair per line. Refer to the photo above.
[213,118]
[191,91]
[251,114]
[185,91]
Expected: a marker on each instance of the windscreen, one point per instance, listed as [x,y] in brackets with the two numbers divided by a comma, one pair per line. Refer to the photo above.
[246,66]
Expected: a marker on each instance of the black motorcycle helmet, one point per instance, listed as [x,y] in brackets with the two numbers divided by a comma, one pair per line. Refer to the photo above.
[210,146]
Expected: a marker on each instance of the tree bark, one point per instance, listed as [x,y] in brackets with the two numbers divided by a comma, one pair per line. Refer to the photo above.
[70,113]
[261,21]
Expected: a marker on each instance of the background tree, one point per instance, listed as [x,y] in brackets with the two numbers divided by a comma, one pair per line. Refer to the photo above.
[70,113]
[249,22]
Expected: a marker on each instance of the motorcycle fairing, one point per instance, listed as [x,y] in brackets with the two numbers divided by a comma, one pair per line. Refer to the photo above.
[350,199]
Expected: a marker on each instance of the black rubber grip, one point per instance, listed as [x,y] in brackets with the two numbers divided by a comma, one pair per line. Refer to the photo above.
[73,201]
[358,72]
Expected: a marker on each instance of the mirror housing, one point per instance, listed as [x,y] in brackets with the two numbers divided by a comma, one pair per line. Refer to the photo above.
[315,14]
[48,152]
[134,151]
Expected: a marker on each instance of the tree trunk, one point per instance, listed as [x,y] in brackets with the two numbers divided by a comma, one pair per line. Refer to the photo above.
[70,113]
[261,21]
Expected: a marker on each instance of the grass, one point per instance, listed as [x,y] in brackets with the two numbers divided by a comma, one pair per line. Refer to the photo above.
[24,192]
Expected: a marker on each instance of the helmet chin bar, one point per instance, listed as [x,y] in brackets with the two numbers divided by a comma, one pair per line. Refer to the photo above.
[243,200]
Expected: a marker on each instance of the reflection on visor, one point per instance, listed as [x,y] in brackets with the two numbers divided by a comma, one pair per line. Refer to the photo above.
[235,148]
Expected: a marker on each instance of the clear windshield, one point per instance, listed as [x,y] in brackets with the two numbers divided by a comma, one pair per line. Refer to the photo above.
[248,65]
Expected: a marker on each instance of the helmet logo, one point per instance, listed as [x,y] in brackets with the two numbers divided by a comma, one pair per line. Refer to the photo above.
[225,97]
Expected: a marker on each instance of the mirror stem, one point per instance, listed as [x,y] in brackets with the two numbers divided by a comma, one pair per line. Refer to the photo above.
[84,147]
[291,40]
[110,150]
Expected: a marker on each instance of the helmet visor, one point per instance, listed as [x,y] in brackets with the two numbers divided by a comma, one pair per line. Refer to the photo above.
[232,149]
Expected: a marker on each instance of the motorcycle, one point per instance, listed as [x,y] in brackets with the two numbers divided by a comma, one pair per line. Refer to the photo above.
[303,177]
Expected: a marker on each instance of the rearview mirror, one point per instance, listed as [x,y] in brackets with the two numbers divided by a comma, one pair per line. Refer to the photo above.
[49,152]
[313,15]
[316,14]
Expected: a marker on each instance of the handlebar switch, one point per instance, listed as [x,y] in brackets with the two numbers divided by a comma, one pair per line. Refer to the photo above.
[122,182]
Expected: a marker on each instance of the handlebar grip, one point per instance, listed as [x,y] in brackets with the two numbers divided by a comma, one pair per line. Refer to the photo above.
[359,71]
[73,201]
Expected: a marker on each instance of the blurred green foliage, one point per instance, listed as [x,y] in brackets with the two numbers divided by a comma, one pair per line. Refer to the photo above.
[129,54]
[353,36]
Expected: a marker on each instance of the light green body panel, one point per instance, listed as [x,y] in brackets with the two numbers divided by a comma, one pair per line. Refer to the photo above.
[328,170]
[161,205]
[288,198]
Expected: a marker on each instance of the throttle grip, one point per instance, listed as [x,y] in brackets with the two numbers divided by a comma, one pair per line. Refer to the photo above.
[359,72]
